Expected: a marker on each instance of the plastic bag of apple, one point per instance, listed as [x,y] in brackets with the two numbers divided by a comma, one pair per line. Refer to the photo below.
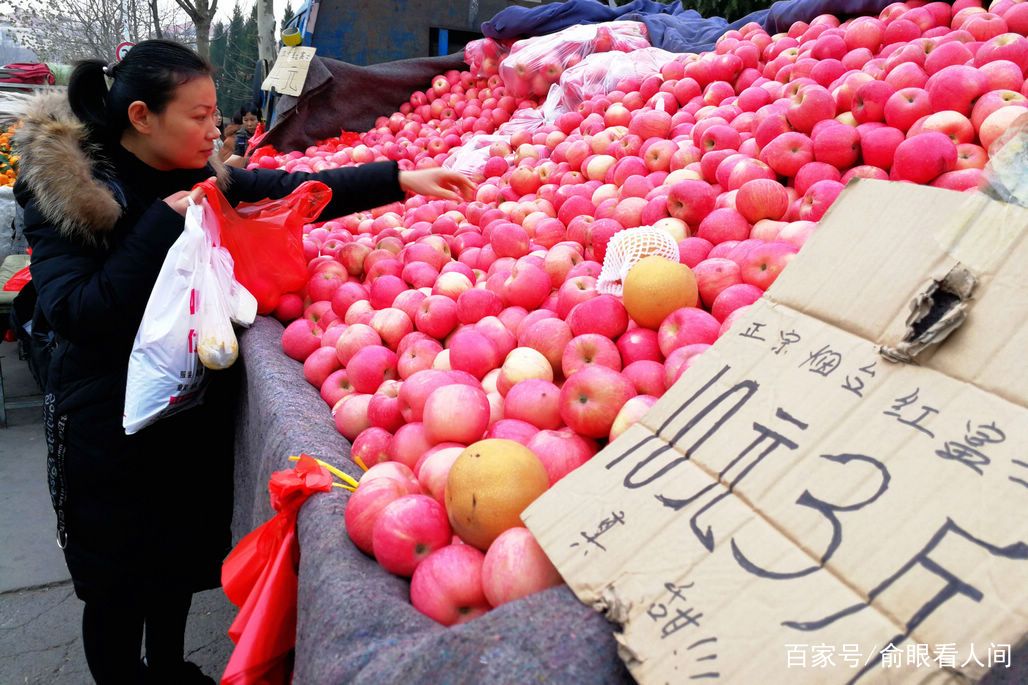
[495,301]
[534,64]
[483,56]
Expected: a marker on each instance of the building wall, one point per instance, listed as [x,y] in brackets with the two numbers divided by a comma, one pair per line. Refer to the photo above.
[370,32]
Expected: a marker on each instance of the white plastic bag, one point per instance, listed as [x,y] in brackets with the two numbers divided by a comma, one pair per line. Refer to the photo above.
[192,305]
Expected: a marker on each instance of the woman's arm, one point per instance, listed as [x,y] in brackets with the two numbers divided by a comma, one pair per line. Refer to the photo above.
[87,294]
[353,188]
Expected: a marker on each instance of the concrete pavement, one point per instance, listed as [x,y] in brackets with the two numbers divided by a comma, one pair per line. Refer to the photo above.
[40,617]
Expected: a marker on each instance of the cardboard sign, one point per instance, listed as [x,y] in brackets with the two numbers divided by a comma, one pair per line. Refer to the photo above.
[800,509]
[290,71]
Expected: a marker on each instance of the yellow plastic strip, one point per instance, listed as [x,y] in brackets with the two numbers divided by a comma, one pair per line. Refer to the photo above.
[346,478]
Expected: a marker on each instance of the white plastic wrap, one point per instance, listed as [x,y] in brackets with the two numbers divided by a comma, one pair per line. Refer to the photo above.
[471,157]
[626,248]
[534,64]
[601,73]
[483,57]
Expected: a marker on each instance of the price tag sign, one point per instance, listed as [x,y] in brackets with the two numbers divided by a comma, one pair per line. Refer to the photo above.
[290,71]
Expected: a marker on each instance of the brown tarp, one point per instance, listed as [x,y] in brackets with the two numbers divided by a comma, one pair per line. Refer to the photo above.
[340,96]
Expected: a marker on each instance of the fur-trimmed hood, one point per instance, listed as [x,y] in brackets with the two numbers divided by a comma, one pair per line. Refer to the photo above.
[66,174]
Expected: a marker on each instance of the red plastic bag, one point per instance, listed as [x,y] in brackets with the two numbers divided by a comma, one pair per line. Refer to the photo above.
[18,281]
[265,239]
[260,577]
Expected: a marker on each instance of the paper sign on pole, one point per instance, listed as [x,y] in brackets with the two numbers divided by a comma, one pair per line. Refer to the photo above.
[799,508]
[290,71]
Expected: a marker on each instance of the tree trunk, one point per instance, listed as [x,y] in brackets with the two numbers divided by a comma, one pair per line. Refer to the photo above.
[156,16]
[266,31]
[203,36]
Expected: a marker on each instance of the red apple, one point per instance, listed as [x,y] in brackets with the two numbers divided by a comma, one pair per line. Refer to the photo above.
[515,566]
[591,399]
[447,586]
[407,530]
[535,401]
[687,326]
[366,504]
[456,413]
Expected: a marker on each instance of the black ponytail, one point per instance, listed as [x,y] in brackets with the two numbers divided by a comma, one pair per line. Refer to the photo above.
[150,72]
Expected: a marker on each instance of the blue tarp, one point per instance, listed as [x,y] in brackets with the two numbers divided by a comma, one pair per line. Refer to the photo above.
[670,27]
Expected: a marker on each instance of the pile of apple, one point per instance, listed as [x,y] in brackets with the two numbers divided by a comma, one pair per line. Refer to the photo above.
[429,325]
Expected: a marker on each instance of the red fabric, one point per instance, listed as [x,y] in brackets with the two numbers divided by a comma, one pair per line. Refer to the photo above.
[24,72]
[265,238]
[18,280]
[260,577]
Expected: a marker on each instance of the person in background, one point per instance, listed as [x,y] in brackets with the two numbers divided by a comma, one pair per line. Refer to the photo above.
[228,136]
[220,123]
[143,519]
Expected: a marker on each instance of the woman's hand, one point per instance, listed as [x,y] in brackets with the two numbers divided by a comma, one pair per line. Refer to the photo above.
[180,200]
[438,182]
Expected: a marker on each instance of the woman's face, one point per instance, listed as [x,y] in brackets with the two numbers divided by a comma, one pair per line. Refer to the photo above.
[183,135]
[249,122]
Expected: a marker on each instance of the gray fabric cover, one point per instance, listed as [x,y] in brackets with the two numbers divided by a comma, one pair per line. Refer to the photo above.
[355,622]
[342,96]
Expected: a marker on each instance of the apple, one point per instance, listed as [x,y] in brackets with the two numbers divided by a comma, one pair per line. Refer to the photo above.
[534,401]
[447,585]
[384,406]
[510,429]
[647,376]
[437,315]
[371,447]
[632,411]
[300,339]
[998,123]
[589,349]
[416,389]
[366,505]
[878,146]
[818,199]
[336,386]
[591,399]
[473,352]
[319,365]
[370,366]
[407,530]
[762,199]
[690,201]
[456,413]
[434,468]
[787,153]
[714,275]
[742,294]
[561,451]
[550,337]
[679,361]
[686,326]
[837,145]
[409,443]
[392,325]
[956,88]
[350,415]
[808,106]
[515,566]
[522,364]
[923,157]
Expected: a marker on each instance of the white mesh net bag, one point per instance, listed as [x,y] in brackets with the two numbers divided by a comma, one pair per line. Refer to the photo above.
[628,247]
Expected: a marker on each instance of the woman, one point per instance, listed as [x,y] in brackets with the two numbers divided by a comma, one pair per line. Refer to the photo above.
[106,176]
[250,117]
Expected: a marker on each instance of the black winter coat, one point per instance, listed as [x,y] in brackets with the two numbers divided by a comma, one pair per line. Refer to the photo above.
[150,511]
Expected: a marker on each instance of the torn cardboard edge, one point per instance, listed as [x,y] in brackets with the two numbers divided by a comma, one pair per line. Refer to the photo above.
[937,311]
